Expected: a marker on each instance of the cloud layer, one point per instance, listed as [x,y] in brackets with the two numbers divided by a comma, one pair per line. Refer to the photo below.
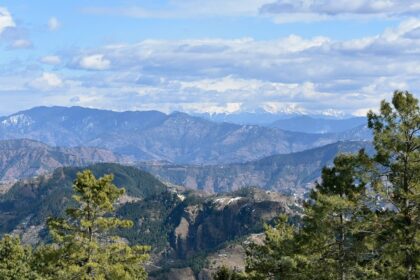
[297,10]
[318,75]
[6,19]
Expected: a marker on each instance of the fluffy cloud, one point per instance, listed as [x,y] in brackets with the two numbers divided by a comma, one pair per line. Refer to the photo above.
[6,19]
[292,10]
[94,62]
[185,9]
[47,81]
[292,74]
[21,44]
[13,36]
[283,75]
[54,24]
[282,10]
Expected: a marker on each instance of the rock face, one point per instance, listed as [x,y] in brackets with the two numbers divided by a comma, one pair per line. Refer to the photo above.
[289,174]
[205,226]
[177,137]
[176,274]
[24,158]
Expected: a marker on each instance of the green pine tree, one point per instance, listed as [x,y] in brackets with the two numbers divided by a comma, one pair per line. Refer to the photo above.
[362,220]
[397,142]
[335,236]
[84,247]
[333,241]
[224,273]
[278,257]
[15,260]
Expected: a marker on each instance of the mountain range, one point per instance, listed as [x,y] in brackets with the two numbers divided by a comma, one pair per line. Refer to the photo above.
[309,124]
[152,135]
[261,116]
[289,174]
[196,189]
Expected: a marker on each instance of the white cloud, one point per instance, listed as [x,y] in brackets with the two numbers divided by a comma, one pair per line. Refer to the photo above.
[317,75]
[291,74]
[282,107]
[6,19]
[51,59]
[297,10]
[281,10]
[186,9]
[54,24]
[21,44]
[94,62]
[208,107]
[47,81]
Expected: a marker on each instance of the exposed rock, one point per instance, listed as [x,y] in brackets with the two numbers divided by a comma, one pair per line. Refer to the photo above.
[205,226]
[177,274]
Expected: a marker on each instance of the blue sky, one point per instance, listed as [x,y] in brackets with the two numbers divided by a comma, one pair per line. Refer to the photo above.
[219,56]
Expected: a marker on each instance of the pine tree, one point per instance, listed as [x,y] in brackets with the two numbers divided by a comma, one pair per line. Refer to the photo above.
[396,139]
[278,257]
[15,260]
[333,240]
[362,220]
[84,247]
[224,273]
[335,235]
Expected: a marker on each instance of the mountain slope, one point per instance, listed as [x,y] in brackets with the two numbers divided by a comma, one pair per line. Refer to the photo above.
[22,158]
[181,226]
[291,173]
[313,125]
[177,137]
[35,199]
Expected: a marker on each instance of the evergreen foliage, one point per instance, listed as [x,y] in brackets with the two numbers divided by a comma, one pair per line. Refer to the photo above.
[362,219]
[397,142]
[82,242]
[225,273]
[15,260]
[83,245]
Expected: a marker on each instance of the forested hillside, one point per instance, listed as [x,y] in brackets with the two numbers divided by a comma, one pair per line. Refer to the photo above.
[179,225]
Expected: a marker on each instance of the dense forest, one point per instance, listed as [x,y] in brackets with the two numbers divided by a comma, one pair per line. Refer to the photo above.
[360,221]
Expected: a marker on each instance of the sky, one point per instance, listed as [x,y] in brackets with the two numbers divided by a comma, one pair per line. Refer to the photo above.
[330,57]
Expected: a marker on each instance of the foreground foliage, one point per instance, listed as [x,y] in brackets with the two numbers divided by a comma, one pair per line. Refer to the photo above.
[361,221]
[83,246]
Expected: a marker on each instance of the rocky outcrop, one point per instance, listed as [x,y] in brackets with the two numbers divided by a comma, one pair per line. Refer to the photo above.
[176,274]
[204,227]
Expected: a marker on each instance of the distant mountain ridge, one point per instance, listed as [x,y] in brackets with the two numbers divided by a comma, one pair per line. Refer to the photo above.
[263,117]
[289,174]
[23,158]
[312,125]
[152,135]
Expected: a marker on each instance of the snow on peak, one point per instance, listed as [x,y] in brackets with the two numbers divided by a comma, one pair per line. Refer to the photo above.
[17,120]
